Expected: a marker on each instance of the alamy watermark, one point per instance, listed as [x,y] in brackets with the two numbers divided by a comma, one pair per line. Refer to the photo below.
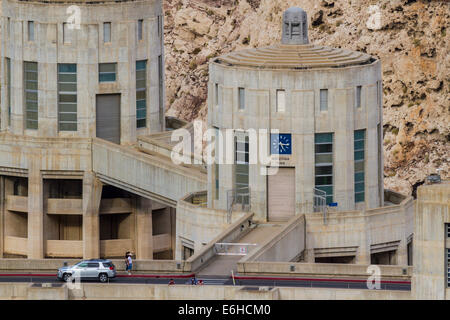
[374,280]
[220,147]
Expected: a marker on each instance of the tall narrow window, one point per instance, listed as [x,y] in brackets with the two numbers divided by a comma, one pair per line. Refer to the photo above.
[67,97]
[67,34]
[358,96]
[8,84]
[379,93]
[31,94]
[281,101]
[161,88]
[359,144]
[140,29]
[141,93]
[242,168]
[323,99]
[448,267]
[107,72]
[30,30]
[107,32]
[160,26]
[324,164]
[380,163]
[216,163]
[8,27]
[241,98]
[216,95]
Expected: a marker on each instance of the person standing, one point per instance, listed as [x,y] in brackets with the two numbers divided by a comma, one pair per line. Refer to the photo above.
[129,263]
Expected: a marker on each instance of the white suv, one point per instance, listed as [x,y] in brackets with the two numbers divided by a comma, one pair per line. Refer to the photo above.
[100,269]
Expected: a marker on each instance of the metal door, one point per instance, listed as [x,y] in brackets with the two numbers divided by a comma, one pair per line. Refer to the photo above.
[281,195]
[108,117]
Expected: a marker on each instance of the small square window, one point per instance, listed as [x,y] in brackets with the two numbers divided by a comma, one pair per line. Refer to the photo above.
[107,32]
[107,72]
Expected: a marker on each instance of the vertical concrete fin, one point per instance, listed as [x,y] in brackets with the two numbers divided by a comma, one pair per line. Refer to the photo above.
[35,210]
[92,195]
[144,229]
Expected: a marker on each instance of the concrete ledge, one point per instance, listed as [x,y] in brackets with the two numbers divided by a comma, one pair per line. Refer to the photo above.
[324,270]
[35,265]
[113,291]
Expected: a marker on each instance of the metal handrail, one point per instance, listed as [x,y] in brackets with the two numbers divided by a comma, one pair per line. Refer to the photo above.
[236,196]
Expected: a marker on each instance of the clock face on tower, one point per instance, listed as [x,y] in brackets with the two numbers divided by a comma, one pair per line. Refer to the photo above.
[281,143]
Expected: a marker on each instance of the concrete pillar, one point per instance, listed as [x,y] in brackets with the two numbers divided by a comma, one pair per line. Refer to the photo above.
[35,211]
[2,213]
[173,230]
[343,181]
[144,229]
[431,214]
[92,195]
[363,253]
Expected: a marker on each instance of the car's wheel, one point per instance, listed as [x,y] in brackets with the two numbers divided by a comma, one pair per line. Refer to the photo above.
[67,277]
[103,277]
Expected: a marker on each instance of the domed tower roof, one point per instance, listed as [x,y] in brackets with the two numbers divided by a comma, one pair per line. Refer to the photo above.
[295,52]
[295,26]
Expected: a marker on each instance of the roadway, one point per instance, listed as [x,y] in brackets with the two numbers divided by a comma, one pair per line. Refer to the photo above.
[250,282]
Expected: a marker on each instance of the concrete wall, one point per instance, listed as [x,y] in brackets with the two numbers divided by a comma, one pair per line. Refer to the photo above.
[185,292]
[286,245]
[323,270]
[358,231]
[153,177]
[303,119]
[199,225]
[234,232]
[432,212]
[87,49]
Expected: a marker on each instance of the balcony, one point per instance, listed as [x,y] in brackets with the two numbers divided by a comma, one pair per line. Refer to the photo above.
[16,245]
[70,206]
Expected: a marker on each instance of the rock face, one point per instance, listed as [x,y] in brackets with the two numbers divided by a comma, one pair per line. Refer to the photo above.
[412,38]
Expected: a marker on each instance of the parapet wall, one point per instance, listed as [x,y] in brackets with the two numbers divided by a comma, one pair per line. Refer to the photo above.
[113,291]
[361,232]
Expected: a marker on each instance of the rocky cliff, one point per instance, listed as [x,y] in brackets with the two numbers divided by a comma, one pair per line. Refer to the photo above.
[410,36]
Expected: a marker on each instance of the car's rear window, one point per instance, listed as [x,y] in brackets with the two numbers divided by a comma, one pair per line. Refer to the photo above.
[107,264]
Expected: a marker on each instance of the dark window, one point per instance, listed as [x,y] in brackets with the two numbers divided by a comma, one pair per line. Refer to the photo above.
[141,93]
[324,164]
[67,97]
[31,94]
[139,29]
[359,143]
[107,72]
[358,96]
[93,265]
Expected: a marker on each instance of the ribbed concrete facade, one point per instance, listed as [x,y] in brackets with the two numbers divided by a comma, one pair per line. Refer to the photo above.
[39,32]
[59,61]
